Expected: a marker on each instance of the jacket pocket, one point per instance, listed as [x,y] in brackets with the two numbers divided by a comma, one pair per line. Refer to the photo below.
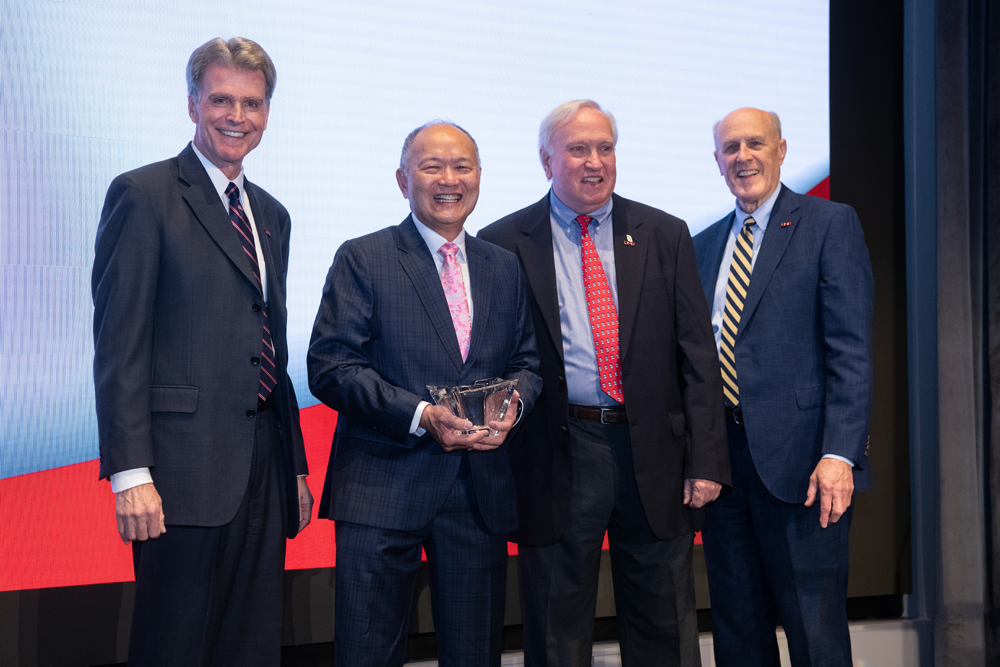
[678,424]
[809,397]
[173,398]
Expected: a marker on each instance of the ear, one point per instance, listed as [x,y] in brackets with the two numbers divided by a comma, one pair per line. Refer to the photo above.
[715,154]
[782,147]
[546,162]
[192,109]
[402,182]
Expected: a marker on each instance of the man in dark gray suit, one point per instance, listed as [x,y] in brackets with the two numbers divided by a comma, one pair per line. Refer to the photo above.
[628,434]
[414,305]
[198,421]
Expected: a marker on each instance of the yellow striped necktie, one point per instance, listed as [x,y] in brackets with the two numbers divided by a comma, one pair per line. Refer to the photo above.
[736,294]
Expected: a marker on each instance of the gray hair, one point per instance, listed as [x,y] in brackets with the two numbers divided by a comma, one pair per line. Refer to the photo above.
[238,53]
[564,113]
[404,157]
[775,123]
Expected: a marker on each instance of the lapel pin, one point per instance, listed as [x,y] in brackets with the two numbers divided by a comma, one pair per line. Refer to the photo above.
[786,224]
[628,240]
[267,232]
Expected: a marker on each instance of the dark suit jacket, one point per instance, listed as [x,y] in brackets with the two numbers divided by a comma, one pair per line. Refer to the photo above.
[672,382]
[382,334]
[803,348]
[177,318]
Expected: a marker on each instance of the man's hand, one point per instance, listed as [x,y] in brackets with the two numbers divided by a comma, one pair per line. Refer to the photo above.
[700,492]
[494,441]
[835,482]
[139,513]
[442,425]
[305,504]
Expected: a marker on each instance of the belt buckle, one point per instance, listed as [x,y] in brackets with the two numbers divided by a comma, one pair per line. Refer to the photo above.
[603,412]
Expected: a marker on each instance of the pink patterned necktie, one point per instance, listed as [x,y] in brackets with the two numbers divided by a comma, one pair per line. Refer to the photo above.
[603,315]
[454,291]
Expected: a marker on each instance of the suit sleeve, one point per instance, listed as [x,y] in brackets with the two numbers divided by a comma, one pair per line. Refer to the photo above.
[338,363]
[846,292]
[295,429]
[523,363]
[701,381]
[124,286]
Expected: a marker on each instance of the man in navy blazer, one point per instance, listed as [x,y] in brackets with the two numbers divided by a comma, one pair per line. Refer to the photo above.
[421,304]
[201,445]
[789,283]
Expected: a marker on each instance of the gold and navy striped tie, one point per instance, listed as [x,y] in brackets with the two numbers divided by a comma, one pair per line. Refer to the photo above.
[736,294]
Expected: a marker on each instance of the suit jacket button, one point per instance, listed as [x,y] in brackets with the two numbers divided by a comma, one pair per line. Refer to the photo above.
[251,413]
[564,429]
[254,360]
[561,378]
[256,307]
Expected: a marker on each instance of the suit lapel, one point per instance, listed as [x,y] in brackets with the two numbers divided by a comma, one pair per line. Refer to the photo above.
[630,246]
[710,263]
[261,215]
[204,201]
[419,266]
[481,277]
[539,265]
[780,226]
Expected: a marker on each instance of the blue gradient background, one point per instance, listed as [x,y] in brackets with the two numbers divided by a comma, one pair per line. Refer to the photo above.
[91,89]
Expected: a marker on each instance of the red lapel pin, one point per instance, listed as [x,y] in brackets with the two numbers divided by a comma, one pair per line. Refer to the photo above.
[269,233]
[786,224]
[628,240]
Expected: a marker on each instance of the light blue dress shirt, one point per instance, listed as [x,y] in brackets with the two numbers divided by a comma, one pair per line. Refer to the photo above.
[582,378]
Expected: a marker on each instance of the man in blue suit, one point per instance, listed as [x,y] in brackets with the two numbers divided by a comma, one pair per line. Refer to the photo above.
[789,284]
[414,305]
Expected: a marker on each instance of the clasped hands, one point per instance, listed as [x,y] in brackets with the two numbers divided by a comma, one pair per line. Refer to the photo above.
[444,427]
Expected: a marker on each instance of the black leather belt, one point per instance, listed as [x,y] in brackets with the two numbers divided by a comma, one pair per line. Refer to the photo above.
[734,415]
[603,415]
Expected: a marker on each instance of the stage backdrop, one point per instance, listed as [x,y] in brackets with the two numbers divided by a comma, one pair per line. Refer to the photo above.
[91,89]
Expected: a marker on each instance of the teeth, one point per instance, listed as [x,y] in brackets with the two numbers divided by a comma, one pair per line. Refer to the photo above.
[592,179]
[749,172]
[235,135]
[447,198]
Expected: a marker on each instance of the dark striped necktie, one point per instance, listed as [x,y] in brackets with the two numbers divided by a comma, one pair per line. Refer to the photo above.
[736,294]
[268,371]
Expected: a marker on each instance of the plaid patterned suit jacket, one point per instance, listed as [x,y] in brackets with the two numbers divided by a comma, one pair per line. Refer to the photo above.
[382,334]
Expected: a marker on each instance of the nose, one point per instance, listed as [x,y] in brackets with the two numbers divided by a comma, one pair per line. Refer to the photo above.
[237,114]
[744,153]
[593,160]
[448,176]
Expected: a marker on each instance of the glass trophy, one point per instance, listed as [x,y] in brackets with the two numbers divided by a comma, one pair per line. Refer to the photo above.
[481,403]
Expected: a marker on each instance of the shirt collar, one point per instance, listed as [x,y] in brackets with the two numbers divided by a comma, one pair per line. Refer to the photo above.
[219,180]
[763,213]
[435,240]
[565,217]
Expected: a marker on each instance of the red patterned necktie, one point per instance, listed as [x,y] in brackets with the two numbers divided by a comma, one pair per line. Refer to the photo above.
[238,217]
[603,315]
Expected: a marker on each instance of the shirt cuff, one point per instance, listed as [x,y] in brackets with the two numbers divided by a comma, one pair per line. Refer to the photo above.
[519,414]
[415,422]
[839,458]
[126,479]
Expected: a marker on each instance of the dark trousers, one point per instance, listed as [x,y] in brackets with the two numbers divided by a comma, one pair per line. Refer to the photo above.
[213,596]
[769,561]
[376,568]
[654,589]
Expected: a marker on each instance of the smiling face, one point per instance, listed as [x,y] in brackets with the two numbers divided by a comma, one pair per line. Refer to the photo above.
[441,180]
[230,117]
[580,161]
[749,153]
